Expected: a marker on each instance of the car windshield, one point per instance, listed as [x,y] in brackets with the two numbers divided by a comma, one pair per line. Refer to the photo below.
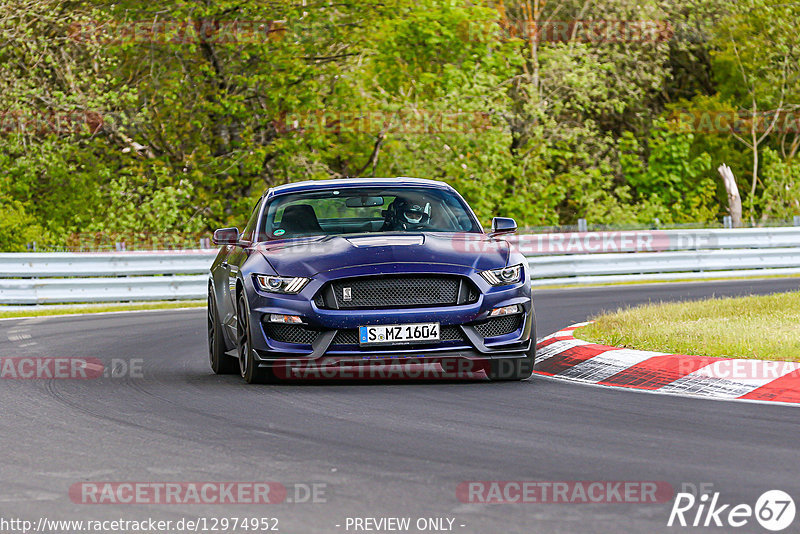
[366,210]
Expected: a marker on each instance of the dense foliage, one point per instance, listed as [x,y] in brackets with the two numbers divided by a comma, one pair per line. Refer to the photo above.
[129,117]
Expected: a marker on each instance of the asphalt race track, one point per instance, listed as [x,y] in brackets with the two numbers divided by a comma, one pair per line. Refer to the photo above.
[381,448]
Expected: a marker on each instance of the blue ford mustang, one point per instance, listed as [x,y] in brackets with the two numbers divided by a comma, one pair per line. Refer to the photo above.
[355,272]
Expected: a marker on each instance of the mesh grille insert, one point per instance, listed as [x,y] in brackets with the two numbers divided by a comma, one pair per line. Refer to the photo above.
[499,326]
[291,333]
[417,291]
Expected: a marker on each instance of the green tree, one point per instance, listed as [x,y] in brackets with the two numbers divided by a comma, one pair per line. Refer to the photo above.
[670,183]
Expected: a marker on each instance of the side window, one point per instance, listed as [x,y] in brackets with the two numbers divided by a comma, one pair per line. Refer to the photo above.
[247,233]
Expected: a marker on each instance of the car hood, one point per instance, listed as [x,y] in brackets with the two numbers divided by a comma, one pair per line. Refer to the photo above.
[309,256]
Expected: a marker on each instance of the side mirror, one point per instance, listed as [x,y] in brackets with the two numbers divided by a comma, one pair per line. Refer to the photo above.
[226,236]
[503,225]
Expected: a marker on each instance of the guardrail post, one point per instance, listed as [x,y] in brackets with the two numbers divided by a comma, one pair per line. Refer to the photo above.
[796,220]
[582,226]
[727,221]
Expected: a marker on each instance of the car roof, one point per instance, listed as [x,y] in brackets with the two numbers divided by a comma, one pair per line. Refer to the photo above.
[316,185]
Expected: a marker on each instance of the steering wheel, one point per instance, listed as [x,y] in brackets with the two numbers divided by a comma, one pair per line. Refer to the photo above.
[416,226]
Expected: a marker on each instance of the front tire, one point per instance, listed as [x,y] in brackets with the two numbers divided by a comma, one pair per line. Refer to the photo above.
[248,367]
[221,363]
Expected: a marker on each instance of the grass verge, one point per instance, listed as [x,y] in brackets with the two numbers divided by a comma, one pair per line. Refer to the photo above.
[757,327]
[39,311]
[676,281]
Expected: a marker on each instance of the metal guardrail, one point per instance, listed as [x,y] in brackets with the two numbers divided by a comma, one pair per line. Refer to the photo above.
[656,240]
[653,255]
[576,258]
[50,264]
[62,277]
[630,267]
[62,290]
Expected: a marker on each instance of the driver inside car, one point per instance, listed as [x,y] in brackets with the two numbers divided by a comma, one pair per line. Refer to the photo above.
[407,214]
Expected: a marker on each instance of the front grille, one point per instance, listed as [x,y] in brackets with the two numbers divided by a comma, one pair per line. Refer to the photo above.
[393,292]
[291,333]
[451,333]
[346,337]
[350,336]
[397,292]
[499,326]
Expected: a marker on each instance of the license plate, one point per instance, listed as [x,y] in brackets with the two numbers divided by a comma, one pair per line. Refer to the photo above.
[398,333]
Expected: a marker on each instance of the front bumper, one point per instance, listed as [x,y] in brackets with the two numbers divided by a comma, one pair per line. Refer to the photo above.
[329,335]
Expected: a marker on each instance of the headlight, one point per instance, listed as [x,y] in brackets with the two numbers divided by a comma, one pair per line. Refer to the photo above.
[504,276]
[290,285]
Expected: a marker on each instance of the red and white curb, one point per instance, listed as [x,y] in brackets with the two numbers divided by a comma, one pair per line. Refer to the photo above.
[562,356]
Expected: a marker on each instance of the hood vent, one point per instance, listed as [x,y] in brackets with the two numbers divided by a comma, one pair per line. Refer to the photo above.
[386,240]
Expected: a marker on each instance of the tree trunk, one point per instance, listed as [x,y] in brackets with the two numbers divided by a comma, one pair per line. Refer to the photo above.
[734,200]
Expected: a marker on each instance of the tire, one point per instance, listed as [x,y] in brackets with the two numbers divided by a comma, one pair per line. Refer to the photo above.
[248,367]
[221,363]
[501,370]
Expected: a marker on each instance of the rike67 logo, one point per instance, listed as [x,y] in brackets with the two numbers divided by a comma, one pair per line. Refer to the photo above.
[774,510]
